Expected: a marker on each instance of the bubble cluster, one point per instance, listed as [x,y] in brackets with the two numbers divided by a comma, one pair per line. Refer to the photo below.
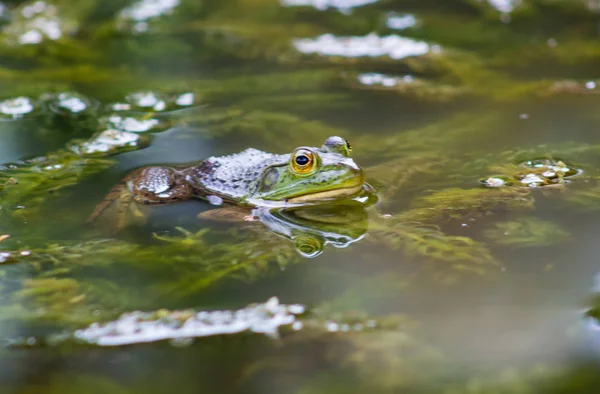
[148,101]
[110,142]
[139,14]
[344,6]
[133,114]
[15,108]
[70,103]
[401,21]
[142,101]
[503,6]
[35,22]
[117,132]
[185,99]
[8,257]
[536,173]
[383,80]
[495,181]
[133,123]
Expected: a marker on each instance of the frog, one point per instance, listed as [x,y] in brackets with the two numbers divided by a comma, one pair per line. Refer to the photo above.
[251,178]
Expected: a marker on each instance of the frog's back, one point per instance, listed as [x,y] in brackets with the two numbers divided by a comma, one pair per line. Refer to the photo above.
[231,177]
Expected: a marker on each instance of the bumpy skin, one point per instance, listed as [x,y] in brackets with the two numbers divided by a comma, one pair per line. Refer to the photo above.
[247,178]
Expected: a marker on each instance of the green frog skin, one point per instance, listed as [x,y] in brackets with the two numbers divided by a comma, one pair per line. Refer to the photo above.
[308,175]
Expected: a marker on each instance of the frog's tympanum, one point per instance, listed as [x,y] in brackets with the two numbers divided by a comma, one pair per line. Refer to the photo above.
[252,178]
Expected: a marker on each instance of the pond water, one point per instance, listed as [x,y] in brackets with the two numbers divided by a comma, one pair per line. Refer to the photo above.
[470,270]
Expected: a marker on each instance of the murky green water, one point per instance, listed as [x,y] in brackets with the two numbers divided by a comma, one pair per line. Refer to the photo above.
[442,286]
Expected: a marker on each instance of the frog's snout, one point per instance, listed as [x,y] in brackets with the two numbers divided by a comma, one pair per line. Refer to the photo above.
[353,170]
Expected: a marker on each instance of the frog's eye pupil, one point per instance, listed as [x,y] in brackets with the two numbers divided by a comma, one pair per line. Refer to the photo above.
[302,160]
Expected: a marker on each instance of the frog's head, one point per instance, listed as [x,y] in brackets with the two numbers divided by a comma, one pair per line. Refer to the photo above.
[312,175]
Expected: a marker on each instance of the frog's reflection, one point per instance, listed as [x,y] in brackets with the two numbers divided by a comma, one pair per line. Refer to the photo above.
[312,228]
[309,228]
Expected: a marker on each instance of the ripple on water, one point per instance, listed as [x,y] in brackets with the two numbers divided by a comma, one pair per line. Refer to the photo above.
[16,108]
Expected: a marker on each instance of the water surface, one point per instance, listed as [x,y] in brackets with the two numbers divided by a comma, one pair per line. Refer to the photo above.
[444,287]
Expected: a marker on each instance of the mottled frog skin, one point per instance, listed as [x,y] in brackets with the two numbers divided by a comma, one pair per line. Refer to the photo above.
[250,178]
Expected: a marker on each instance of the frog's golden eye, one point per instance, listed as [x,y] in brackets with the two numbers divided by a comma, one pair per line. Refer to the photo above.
[303,161]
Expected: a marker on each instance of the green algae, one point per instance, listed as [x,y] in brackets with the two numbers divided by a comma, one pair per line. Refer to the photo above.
[465,204]
[426,175]
[452,255]
[292,129]
[526,232]
[26,186]
[424,159]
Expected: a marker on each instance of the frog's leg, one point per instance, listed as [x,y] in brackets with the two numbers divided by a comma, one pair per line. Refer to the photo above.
[149,185]
[228,214]
[115,194]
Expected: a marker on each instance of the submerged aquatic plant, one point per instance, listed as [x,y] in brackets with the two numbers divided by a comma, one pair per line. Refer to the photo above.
[26,185]
[464,204]
[526,232]
[458,253]
[264,91]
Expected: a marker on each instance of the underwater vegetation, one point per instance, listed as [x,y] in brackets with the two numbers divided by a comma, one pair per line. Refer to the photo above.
[475,122]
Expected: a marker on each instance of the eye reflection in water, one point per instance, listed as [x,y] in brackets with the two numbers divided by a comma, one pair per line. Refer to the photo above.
[310,229]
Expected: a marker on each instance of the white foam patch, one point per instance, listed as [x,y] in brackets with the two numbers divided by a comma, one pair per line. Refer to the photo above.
[143,327]
[321,5]
[371,45]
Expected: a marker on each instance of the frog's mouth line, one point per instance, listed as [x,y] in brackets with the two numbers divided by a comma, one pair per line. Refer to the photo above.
[341,192]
